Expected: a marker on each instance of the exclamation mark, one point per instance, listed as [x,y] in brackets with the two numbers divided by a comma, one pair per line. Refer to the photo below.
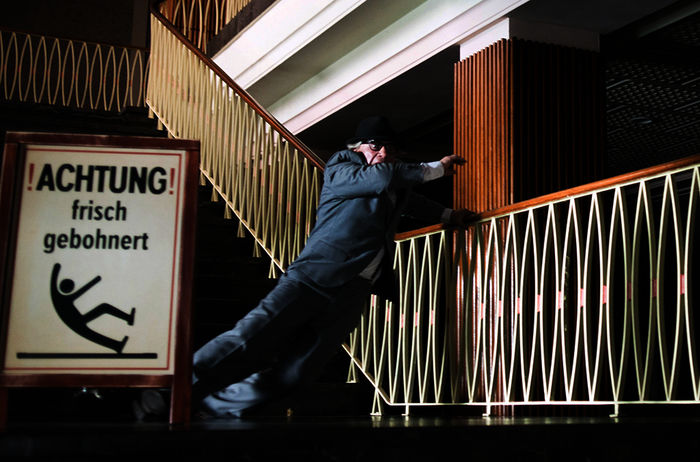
[31,176]
[172,179]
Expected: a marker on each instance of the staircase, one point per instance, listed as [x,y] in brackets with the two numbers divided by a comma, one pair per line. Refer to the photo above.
[229,280]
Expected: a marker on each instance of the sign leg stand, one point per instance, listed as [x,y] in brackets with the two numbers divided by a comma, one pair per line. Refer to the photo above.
[180,402]
[3,408]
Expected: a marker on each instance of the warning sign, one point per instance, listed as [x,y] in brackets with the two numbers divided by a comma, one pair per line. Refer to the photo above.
[94,285]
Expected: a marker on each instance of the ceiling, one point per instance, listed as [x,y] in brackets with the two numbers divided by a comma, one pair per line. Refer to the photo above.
[423,114]
[651,50]
[652,81]
[651,53]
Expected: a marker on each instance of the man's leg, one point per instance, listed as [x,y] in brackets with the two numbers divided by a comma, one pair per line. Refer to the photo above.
[303,358]
[329,330]
[255,342]
[237,399]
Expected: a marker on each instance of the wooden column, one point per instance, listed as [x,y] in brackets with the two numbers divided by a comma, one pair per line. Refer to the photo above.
[529,121]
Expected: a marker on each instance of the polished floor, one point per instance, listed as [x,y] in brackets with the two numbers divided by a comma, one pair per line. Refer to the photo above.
[360,439]
[427,435]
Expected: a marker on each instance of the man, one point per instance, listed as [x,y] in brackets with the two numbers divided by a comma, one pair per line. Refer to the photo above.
[295,329]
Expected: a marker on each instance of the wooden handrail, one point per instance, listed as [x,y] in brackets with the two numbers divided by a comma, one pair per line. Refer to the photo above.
[269,118]
[600,184]
[565,193]
[402,236]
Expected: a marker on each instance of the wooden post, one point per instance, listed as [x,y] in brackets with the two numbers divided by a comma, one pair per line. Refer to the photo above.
[529,121]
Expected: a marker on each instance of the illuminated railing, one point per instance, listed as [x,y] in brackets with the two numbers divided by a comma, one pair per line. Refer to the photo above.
[200,20]
[83,75]
[267,177]
[583,297]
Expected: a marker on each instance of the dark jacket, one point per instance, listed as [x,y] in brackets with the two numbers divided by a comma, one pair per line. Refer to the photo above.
[359,209]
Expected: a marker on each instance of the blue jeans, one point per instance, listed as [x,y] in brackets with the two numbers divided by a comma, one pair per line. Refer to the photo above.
[283,342]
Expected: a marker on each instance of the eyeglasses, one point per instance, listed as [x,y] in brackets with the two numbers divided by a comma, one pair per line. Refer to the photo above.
[377,146]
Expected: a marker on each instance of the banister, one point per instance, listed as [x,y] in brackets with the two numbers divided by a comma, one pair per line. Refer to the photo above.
[563,194]
[568,299]
[269,179]
[405,235]
[36,69]
[11,30]
[269,118]
[202,20]
[589,187]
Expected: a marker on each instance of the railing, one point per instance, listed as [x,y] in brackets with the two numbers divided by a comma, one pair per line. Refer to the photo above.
[200,20]
[583,297]
[70,73]
[267,177]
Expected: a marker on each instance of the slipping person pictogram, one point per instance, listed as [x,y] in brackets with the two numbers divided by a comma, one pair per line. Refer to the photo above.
[63,296]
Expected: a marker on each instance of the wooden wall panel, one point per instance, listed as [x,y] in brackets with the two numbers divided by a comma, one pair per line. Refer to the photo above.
[528,119]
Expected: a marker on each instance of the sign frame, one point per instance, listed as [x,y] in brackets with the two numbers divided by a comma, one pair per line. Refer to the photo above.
[11,189]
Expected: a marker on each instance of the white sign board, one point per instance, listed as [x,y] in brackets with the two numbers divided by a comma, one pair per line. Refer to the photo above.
[94,284]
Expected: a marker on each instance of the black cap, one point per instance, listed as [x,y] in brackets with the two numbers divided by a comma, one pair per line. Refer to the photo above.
[375,128]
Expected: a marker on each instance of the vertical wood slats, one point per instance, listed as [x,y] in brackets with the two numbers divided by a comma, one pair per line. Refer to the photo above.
[528,120]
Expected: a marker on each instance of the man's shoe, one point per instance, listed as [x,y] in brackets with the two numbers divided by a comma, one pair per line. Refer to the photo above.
[150,407]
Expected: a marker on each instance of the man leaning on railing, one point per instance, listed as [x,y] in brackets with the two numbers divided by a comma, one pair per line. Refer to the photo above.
[286,340]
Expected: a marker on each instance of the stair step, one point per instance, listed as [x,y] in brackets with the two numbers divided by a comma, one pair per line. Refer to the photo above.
[223,299]
[223,260]
[248,277]
[44,118]
[225,310]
